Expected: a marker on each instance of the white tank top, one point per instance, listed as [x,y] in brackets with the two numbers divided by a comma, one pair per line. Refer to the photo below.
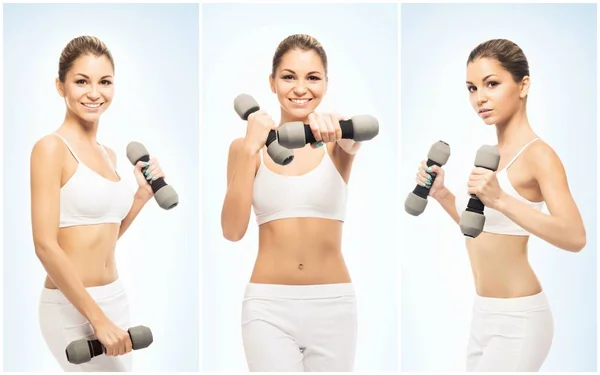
[319,193]
[496,222]
[87,198]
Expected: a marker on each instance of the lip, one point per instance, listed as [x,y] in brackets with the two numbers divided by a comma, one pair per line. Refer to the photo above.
[485,112]
[91,109]
[307,100]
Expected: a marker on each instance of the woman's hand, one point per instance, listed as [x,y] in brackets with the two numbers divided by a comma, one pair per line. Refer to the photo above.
[152,172]
[484,184]
[424,179]
[326,129]
[260,123]
[115,340]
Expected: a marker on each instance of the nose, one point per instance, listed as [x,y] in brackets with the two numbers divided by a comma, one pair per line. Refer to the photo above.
[93,94]
[300,88]
[481,97]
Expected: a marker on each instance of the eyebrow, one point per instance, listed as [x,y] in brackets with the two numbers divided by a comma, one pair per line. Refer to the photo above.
[291,71]
[81,74]
[484,79]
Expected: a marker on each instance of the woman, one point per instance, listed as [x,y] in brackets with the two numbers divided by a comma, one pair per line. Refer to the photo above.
[299,310]
[80,207]
[512,325]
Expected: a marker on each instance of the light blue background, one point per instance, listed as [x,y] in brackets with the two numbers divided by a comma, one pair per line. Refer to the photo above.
[156,101]
[437,285]
[361,42]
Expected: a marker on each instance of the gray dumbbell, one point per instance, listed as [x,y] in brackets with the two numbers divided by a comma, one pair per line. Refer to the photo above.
[244,106]
[472,219]
[415,203]
[164,194]
[82,351]
[297,134]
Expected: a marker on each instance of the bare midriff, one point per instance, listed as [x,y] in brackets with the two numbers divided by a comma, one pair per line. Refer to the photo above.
[91,250]
[501,267]
[300,251]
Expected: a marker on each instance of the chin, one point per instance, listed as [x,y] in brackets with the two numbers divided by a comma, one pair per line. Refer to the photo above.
[299,113]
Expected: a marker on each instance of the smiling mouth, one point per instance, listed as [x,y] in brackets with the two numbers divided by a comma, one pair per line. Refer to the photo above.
[299,101]
[92,105]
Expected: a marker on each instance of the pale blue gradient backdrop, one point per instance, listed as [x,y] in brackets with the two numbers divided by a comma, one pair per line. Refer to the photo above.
[361,42]
[437,285]
[156,102]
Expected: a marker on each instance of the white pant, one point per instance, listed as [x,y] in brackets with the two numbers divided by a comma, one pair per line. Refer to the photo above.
[510,334]
[299,327]
[61,323]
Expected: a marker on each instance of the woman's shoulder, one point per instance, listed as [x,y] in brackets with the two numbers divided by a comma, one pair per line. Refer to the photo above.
[49,145]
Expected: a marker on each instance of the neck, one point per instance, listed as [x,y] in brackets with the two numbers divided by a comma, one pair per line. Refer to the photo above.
[286,117]
[514,129]
[82,131]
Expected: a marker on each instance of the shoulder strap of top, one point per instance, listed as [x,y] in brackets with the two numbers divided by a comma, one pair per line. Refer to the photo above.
[68,146]
[520,152]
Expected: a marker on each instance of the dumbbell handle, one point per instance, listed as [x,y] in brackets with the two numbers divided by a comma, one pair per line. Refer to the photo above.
[272,134]
[423,191]
[345,125]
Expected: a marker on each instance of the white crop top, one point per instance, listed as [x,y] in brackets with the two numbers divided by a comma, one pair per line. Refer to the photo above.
[87,198]
[495,222]
[320,193]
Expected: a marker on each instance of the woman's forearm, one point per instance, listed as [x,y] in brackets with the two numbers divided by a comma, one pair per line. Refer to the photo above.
[237,205]
[448,202]
[139,201]
[63,275]
[561,232]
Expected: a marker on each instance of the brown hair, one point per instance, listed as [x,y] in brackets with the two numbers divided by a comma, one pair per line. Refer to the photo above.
[82,45]
[507,53]
[302,42]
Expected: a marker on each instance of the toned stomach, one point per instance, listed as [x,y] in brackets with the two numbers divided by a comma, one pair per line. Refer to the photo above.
[300,251]
[91,250]
[501,267]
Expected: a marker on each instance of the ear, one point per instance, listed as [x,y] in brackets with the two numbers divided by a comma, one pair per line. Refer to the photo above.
[60,87]
[272,84]
[524,87]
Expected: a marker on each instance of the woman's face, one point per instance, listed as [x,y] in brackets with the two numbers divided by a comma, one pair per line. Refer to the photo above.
[300,83]
[494,94]
[88,88]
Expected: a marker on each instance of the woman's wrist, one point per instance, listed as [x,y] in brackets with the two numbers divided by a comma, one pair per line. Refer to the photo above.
[441,194]
[142,195]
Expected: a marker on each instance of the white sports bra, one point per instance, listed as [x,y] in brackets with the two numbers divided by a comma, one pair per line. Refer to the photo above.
[495,222]
[87,198]
[319,193]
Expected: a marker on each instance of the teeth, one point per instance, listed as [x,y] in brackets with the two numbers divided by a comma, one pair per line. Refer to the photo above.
[300,101]
[91,105]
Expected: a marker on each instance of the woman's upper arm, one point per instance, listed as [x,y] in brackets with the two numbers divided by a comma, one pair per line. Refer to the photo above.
[45,182]
[551,177]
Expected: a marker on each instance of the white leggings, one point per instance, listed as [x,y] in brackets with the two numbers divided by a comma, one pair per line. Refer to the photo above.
[299,327]
[510,334]
[61,323]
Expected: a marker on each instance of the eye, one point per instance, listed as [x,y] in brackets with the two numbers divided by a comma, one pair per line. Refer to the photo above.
[492,84]
[106,82]
[80,82]
[288,77]
[471,88]
[314,78]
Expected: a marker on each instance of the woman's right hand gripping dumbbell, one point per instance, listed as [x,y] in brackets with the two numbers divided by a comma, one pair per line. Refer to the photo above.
[115,340]
[260,123]
[424,179]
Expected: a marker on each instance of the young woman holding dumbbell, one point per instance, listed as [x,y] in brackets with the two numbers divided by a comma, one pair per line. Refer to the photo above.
[512,324]
[299,311]
[80,207]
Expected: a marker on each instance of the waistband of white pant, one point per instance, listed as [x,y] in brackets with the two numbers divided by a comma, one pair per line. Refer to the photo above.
[533,302]
[300,291]
[96,292]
